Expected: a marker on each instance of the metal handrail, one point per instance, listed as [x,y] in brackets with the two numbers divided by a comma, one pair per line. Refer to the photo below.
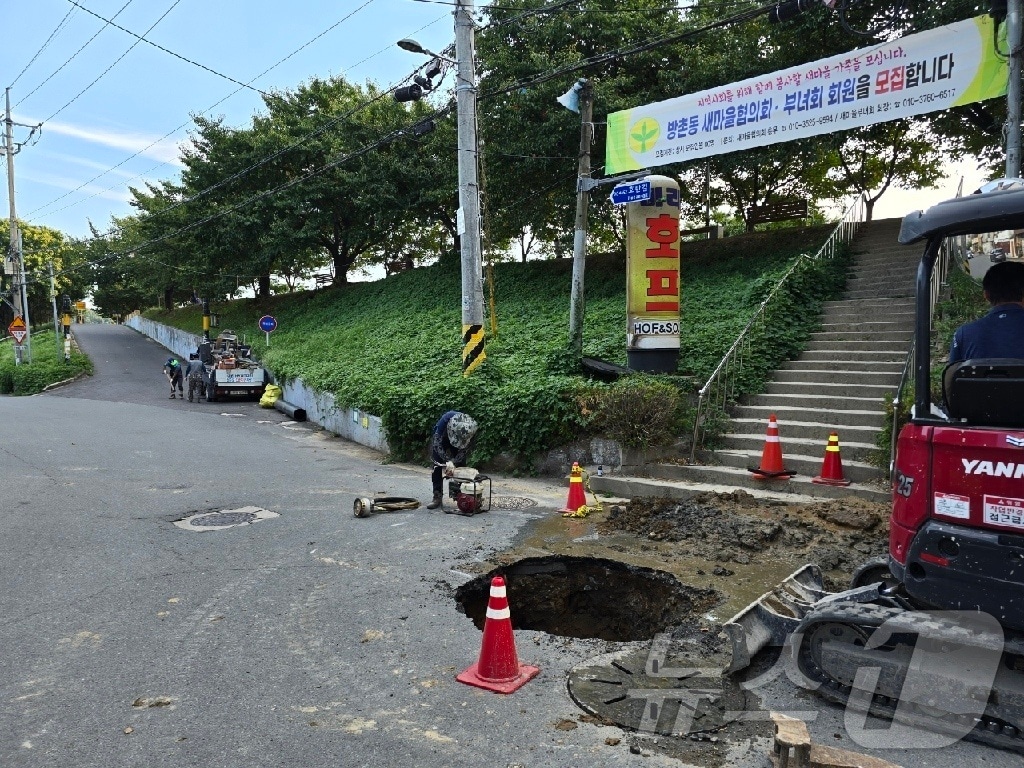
[720,386]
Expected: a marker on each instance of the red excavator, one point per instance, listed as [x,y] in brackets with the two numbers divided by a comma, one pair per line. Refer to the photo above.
[932,635]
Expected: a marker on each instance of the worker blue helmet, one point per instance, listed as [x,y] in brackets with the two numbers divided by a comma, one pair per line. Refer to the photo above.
[461,429]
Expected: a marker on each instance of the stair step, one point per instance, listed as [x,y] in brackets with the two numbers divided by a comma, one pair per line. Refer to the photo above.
[890,292]
[804,446]
[905,303]
[805,400]
[809,430]
[856,314]
[903,336]
[804,464]
[696,479]
[867,328]
[846,378]
[847,355]
[874,346]
[867,418]
[834,388]
[839,364]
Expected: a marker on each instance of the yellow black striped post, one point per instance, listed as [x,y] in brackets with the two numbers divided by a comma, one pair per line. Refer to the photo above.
[472,348]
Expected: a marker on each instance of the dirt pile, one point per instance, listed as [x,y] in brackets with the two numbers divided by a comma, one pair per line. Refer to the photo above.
[739,528]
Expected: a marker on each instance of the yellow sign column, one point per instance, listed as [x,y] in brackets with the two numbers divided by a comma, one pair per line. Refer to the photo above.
[652,279]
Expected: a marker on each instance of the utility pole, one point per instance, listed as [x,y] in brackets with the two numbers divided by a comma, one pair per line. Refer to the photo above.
[1013,88]
[53,300]
[473,353]
[579,243]
[15,264]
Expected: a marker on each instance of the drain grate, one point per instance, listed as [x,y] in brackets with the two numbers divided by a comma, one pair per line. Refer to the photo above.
[219,520]
[512,502]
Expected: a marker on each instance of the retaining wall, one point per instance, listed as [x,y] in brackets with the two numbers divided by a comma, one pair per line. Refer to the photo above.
[366,429]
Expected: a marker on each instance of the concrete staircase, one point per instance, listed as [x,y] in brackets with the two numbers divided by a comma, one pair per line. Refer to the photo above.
[838,384]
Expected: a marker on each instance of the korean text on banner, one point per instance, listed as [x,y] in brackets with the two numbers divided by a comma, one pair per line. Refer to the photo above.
[925,72]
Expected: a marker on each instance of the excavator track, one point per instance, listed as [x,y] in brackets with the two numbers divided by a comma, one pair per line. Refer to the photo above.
[831,631]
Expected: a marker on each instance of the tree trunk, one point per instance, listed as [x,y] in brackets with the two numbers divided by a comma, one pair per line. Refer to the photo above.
[869,208]
[169,297]
[263,291]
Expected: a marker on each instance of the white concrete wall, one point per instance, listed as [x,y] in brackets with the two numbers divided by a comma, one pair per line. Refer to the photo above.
[357,426]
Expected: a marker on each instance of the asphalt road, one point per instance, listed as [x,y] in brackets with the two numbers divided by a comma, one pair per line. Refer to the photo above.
[310,638]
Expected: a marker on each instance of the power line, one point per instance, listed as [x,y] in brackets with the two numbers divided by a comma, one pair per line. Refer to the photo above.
[221,101]
[72,56]
[42,48]
[168,51]
[104,72]
[535,80]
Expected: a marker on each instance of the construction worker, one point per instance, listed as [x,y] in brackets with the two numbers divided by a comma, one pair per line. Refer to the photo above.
[194,374]
[1000,333]
[449,447]
[172,368]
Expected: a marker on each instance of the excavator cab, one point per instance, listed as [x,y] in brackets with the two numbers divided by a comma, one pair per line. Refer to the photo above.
[956,536]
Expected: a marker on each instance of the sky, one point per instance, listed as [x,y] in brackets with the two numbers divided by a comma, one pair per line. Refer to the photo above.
[115,114]
[114,109]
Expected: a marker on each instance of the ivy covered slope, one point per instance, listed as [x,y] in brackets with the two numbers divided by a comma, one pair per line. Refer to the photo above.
[47,367]
[393,347]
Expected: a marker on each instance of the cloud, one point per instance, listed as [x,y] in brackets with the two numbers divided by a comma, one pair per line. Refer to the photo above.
[64,182]
[164,150]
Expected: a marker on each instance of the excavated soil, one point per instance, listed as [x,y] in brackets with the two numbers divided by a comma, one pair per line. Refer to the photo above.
[737,528]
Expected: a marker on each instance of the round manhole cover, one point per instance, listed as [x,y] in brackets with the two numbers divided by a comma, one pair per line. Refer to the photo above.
[637,693]
[512,502]
[218,520]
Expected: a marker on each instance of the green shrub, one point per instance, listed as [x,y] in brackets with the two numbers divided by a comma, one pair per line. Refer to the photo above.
[47,366]
[640,412]
[393,347]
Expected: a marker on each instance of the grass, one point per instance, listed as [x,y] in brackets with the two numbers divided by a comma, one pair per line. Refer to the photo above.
[393,347]
[47,366]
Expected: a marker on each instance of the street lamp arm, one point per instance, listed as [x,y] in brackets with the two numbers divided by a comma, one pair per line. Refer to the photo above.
[408,44]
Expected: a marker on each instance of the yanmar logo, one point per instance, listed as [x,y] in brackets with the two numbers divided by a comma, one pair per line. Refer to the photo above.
[993,468]
[1015,441]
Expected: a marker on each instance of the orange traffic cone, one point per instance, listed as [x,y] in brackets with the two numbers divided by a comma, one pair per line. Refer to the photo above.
[832,466]
[498,668]
[771,457]
[577,498]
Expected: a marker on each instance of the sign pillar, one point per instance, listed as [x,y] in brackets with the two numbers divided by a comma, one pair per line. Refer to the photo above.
[652,279]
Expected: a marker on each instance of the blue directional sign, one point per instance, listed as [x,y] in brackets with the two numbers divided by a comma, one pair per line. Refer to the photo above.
[268,323]
[631,192]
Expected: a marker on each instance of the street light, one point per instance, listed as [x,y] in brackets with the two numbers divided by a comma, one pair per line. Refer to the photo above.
[468,218]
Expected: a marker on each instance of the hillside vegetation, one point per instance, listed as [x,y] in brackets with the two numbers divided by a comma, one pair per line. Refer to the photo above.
[393,347]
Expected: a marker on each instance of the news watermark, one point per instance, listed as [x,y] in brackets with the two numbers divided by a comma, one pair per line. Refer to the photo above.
[938,667]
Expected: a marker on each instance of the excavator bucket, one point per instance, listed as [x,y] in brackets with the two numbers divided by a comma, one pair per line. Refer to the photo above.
[770,619]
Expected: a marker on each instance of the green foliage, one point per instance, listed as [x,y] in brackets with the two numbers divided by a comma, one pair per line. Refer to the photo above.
[393,347]
[47,366]
[641,412]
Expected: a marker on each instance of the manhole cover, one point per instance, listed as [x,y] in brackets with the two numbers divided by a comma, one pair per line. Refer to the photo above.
[588,598]
[638,691]
[512,502]
[218,520]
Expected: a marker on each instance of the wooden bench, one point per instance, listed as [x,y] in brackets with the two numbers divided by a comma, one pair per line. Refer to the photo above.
[780,210]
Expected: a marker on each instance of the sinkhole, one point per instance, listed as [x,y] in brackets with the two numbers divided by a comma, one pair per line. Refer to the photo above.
[588,598]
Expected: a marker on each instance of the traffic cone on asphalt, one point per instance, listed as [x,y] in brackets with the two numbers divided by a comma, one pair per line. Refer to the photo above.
[771,457]
[577,498]
[498,668]
[832,466]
